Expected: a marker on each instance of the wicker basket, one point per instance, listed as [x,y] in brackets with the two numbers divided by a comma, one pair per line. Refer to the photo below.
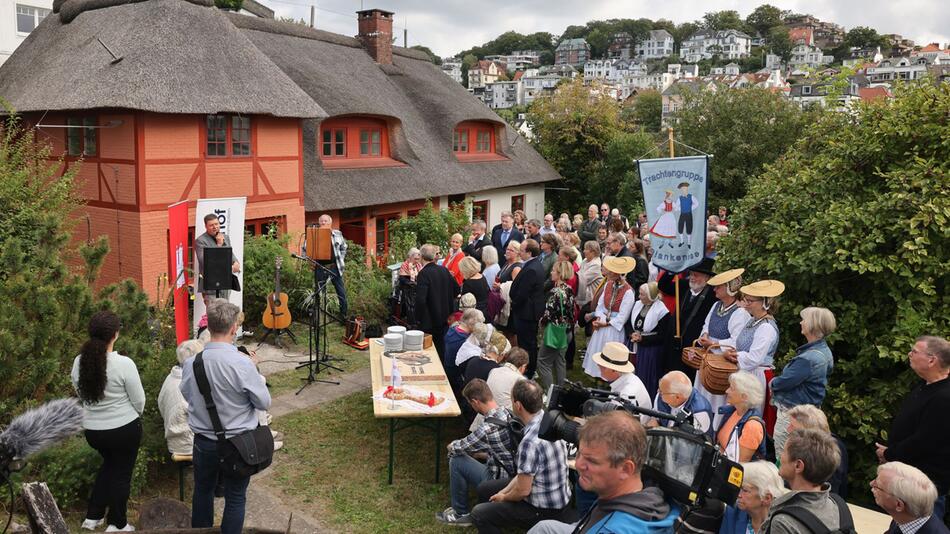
[715,373]
[693,355]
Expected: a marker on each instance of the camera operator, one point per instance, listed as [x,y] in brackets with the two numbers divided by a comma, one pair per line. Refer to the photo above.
[616,369]
[540,490]
[612,449]
[677,395]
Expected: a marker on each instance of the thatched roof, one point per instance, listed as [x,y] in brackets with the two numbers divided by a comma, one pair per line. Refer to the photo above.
[412,93]
[177,57]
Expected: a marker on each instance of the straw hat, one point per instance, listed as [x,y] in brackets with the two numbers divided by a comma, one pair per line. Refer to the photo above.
[614,356]
[726,277]
[764,289]
[619,265]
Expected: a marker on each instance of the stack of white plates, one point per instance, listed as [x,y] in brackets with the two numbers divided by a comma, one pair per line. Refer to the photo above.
[392,342]
[414,339]
[401,330]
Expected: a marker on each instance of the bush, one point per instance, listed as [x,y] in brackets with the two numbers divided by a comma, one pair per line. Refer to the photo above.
[428,226]
[856,218]
[367,287]
[260,254]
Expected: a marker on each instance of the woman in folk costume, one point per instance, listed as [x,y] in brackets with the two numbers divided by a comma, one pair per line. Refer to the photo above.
[665,226]
[651,324]
[455,255]
[757,340]
[613,310]
[723,324]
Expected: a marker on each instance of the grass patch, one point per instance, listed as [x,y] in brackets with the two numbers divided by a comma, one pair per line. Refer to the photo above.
[335,461]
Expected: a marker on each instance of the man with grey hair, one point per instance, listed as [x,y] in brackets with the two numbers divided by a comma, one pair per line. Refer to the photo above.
[676,396]
[588,230]
[504,233]
[436,290]
[548,227]
[238,391]
[477,240]
[908,496]
[532,230]
[917,436]
[173,406]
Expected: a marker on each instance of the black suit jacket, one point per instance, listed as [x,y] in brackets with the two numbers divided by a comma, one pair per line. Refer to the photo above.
[693,312]
[527,292]
[436,289]
[932,526]
[515,235]
[475,249]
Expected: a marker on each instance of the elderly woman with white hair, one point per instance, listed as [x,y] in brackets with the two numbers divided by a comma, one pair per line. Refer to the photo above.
[490,267]
[761,485]
[455,338]
[173,406]
[741,433]
[410,268]
[804,380]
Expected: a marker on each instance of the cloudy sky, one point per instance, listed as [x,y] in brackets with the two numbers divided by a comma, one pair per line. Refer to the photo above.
[448,26]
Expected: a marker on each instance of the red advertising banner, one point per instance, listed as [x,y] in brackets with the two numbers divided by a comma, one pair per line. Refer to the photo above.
[177,255]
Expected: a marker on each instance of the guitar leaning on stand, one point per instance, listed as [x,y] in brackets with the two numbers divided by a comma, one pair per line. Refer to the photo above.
[277,317]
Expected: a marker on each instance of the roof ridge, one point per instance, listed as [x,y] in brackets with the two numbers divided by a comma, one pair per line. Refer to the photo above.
[70,9]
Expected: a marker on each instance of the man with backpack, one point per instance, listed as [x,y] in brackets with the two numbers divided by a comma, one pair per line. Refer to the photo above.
[491,442]
[809,459]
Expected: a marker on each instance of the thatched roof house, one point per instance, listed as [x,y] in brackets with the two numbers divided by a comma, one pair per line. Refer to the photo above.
[168,100]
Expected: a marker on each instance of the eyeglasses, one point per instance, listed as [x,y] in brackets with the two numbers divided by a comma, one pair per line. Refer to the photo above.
[875,486]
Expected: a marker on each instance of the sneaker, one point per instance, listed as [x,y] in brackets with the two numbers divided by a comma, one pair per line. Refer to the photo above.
[278,445]
[450,517]
[92,524]
[127,528]
[278,436]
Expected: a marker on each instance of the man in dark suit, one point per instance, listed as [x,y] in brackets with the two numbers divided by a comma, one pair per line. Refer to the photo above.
[527,302]
[502,234]
[696,299]
[908,496]
[436,290]
[532,229]
[477,240]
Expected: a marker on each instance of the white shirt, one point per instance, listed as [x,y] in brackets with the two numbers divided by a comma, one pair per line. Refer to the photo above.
[500,381]
[631,388]
[737,321]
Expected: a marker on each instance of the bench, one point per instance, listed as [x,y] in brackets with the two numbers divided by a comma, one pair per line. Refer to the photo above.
[183,461]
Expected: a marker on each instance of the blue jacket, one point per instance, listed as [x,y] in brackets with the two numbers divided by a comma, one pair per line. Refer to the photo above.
[693,405]
[618,522]
[734,521]
[453,341]
[804,379]
[727,412]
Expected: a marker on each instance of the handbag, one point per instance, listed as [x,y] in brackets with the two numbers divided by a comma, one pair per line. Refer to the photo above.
[242,455]
[555,336]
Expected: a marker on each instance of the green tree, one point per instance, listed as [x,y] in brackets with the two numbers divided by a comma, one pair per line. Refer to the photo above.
[683,32]
[572,129]
[856,218]
[430,225]
[764,18]
[427,51]
[723,20]
[779,43]
[468,61]
[745,129]
[864,37]
[598,41]
[647,110]
[615,176]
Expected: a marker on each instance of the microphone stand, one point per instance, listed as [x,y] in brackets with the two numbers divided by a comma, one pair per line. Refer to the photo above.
[317,337]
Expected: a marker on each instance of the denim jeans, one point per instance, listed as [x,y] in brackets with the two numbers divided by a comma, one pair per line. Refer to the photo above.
[464,472]
[337,280]
[205,460]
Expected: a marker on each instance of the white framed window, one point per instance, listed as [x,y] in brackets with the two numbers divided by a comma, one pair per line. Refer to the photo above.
[29,17]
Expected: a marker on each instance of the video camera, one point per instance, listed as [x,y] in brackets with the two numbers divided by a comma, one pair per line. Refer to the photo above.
[681,460]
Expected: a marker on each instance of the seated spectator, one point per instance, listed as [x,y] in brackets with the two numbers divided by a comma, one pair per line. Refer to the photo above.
[485,454]
[491,345]
[761,485]
[172,404]
[456,335]
[502,379]
[808,416]
[908,496]
[611,453]
[474,282]
[410,268]
[490,264]
[540,489]
[618,371]
[741,441]
[677,396]
[808,461]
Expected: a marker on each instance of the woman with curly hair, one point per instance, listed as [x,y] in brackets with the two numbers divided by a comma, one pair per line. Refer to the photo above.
[111,392]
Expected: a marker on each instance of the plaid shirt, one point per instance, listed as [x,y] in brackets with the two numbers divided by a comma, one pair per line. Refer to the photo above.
[339,249]
[489,437]
[546,461]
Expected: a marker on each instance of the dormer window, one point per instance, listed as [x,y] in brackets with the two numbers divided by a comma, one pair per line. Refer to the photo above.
[353,142]
[475,141]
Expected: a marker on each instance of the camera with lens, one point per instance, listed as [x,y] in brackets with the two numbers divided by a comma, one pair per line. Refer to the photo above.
[681,460]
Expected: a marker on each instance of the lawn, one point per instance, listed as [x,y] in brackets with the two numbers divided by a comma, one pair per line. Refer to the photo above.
[334,463]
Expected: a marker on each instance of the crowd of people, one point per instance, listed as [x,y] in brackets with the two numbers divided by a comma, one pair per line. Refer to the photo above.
[504,309]
[558,276]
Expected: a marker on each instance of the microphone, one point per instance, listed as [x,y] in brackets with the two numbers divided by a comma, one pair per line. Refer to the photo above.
[37,429]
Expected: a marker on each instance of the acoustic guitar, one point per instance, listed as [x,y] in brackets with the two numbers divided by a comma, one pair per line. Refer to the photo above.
[277,313]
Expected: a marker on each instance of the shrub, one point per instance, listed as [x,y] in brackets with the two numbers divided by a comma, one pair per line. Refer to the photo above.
[260,254]
[428,226]
[856,218]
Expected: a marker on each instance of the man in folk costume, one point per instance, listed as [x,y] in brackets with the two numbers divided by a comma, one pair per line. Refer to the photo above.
[685,205]
[723,324]
[696,298]
[756,342]
[613,310]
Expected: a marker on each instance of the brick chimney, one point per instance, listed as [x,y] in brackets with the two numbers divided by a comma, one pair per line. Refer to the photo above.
[376,34]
